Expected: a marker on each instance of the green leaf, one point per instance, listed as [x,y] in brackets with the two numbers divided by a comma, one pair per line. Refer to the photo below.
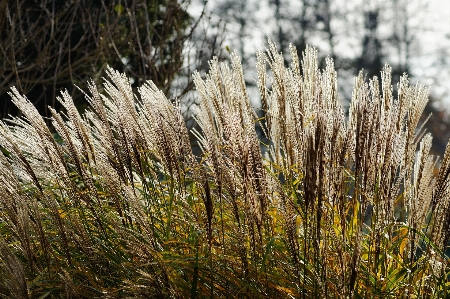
[266,253]
[395,277]
[45,295]
[119,9]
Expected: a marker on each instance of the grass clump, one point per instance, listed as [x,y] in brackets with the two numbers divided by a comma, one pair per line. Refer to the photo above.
[328,206]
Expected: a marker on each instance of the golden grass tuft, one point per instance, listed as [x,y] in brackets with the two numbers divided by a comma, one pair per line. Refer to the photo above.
[114,204]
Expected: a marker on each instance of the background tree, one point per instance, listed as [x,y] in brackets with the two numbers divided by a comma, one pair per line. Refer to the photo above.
[294,25]
[240,21]
[371,59]
[50,45]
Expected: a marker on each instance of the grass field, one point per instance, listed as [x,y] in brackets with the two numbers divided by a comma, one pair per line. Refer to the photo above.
[112,203]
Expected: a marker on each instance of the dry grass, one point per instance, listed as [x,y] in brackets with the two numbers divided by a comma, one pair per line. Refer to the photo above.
[117,206]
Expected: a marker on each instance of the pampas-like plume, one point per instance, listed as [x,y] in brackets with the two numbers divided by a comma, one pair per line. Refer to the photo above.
[113,203]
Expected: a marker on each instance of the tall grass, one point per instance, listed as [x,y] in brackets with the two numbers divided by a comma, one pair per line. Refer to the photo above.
[116,205]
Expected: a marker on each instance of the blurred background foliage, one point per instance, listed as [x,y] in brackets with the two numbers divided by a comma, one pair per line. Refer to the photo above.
[48,46]
[51,45]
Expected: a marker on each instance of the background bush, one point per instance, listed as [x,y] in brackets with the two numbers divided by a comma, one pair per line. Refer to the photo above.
[48,46]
